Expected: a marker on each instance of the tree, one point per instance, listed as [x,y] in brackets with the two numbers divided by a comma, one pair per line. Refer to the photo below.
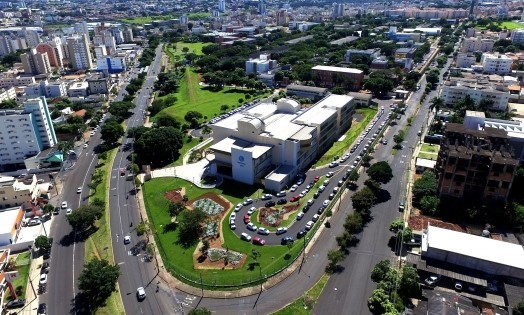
[409,282]
[98,279]
[363,200]
[43,242]
[353,176]
[193,117]
[334,256]
[167,121]
[433,76]
[190,228]
[379,303]
[47,209]
[121,109]
[380,270]
[380,172]
[398,139]
[519,309]
[112,131]
[353,223]
[199,311]
[405,234]
[84,217]
[396,225]
[429,204]
[175,208]
[366,159]
[425,185]
[436,103]
[379,86]
[7,104]
[142,228]
[159,146]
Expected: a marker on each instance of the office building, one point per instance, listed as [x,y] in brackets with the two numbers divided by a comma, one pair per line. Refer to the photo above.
[475,163]
[81,28]
[112,64]
[25,133]
[260,65]
[517,36]
[79,53]
[271,143]
[371,54]
[465,60]
[453,91]
[128,35]
[35,62]
[328,76]
[496,64]
[311,92]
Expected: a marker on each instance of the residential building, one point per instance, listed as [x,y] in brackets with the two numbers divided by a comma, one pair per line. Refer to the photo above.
[453,91]
[271,143]
[82,28]
[31,38]
[18,192]
[10,44]
[112,64]
[100,51]
[427,13]
[261,7]
[372,54]
[118,35]
[311,92]
[78,89]
[282,17]
[53,48]
[402,53]
[98,85]
[475,163]
[25,132]
[8,82]
[11,219]
[328,76]
[465,60]
[499,64]
[338,10]
[477,44]
[222,5]
[260,65]
[47,89]
[517,36]
[35,62]
[79,53]
[128,34]
[7,94]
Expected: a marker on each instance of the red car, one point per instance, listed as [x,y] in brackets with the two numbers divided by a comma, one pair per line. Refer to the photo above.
[122,172]
[316,178]
[247,218]
[258,241]
[294,198]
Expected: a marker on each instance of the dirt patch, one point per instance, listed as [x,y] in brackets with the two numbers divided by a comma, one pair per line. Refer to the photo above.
[274,217]
[290,209]
[175,195]
[420,222]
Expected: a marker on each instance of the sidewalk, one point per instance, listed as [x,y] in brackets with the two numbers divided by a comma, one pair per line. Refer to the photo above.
[31,295]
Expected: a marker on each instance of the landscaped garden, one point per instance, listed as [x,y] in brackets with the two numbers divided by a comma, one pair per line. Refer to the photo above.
[229,262]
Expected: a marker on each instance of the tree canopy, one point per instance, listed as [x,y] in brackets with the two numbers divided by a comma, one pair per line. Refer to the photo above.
[380,172]
[425,185]
[84,217]
[111,131]
[159,146]
[98,279]
[190,228]
[363,199]
[42,242]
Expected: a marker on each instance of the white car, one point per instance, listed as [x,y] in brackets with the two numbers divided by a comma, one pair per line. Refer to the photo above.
[248,202]
[309,225]
[79,190]
[64,204]
[300,215]
[141,293]
[330,174]
[43,278]
[232,225]
[263,231]
[251,226]
[281,194]
[238,207]
[92,133]
[266,197]
[281,230]
[246,237]
[251,210]
[293,188]
[302,194]
[69,211]
[127,239]
[325,203]
[233,216]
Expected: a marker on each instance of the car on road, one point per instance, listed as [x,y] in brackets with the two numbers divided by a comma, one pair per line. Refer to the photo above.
[281,230]
[401,206]
[270,204]
[122,172]
[251,210]
[238,207]
[15,303]
[43,278]
[140,293]
[458,286]
[293,188]
[69,211]
[281,194]
[286,240]
[300,215]
[328,175]
[85,145]
[44,268]
[263,231]
[33,222]
[127,239]
[333,164]
[92,133]
[247,219]
[246,237]
[248,202]
[64,204]
[258,241]
[432,280]
[305,209]
[385,141]
[282,201]
[301,233]
[316,179]
[79,190]
[266,197]
[331,196]
[42,309]
[340,183]
[252,227]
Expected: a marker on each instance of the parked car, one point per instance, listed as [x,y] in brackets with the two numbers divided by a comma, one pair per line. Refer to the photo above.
[458,286]
[321,188]
[331,196]
[232,226]
[309,225]
[64,204]
[263,231]
[293,188]
[44,268]
[401,206]
[258,241]
[432,280]
[42,309]
[300,181]
[281,201]
[246,237]
[333,164]
[286,240]
[315,217]
[340,183]
[325,203]
[321,209]
[127,239]
[315,195]
[266,197]
[247,218]
[281,230]
[281,194]
[316,179]
[140,293]
[252,227]
[238,207]
[15,303]
[294,198]
[43,278]
[248,202]
[301,234]
[300,215]
[79,190]
[232,216]
[69,211]
[330,174]
[270,204]
[251,210]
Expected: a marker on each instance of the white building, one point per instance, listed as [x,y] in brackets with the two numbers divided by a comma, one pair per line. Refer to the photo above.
[372,54]
[465,60]
[100,51]
[257,144]
[260,65]
[18,192]
[499,64]
[78,89]
[47,89]
[222,5]
[82,28]
[457,90]
[112,64]
[7,82]
[79,53]
[25,133]
[474,44]
[7,94]
[517,36]
[31,38]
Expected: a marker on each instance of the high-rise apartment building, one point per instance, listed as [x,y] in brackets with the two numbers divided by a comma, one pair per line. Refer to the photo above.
[54,51]
[261,7]
[128,34]
[81,28]
[31,38]
[79,53]
[222,5]
[496,64]
[35,62]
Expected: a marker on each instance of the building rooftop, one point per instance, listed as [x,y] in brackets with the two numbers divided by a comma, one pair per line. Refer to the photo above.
[337,69]
[307,88]
[8,217]
[230,143]
[475,246]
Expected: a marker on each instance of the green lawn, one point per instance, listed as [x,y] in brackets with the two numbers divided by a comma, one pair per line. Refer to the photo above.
[22,266]
[141,20]
[430,148]
[174,50]
[340,147]
[506,24]
[178,259]
[304,304]
[192,96]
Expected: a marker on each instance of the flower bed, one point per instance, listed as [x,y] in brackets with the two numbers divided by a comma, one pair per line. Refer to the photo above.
[217,254]
[208,206]
[211,228]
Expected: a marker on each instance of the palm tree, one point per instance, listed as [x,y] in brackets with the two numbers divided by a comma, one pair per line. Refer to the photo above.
[436,103]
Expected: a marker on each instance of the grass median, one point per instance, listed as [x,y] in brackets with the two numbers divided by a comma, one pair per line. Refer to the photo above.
[304,305]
